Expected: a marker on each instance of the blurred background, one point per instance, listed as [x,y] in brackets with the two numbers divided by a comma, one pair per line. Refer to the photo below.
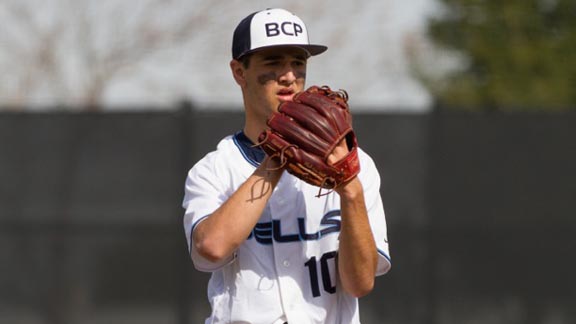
[466,106]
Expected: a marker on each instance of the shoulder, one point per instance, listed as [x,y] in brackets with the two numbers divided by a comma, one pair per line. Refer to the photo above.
[225,164]
[223,149]
[366,161]
[216,160]
[369,174]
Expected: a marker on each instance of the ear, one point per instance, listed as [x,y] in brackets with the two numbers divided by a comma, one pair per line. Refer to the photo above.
[238,72]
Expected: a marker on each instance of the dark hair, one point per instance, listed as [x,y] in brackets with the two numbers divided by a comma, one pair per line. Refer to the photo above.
[245,60]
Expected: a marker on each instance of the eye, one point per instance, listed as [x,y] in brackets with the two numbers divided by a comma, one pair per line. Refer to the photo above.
[299,63]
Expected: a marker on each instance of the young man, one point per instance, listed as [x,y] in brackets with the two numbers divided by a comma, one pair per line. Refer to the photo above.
[277,252]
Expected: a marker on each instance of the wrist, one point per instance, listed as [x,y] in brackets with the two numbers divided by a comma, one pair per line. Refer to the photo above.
[351,189]
[270,170]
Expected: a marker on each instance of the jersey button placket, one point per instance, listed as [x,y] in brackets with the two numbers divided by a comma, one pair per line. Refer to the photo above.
[286,258]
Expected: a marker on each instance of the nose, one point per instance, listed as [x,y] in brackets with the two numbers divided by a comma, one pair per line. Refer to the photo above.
[288,76]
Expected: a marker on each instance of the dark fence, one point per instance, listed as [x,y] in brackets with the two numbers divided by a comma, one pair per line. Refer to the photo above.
[480,211]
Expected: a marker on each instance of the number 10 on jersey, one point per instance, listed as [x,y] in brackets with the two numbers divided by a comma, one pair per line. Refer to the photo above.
[328,283]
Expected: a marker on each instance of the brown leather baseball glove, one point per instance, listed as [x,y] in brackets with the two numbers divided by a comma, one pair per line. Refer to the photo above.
[305,131]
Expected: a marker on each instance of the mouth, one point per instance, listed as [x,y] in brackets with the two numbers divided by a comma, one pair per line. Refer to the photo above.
[285,94]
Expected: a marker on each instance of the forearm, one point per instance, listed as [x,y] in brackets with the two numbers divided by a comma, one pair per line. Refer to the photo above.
[219,235]
[357,256]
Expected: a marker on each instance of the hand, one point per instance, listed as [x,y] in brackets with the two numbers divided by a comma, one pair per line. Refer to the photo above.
[338,153]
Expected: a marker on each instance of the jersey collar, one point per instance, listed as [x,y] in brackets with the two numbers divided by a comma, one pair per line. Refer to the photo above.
[253,154]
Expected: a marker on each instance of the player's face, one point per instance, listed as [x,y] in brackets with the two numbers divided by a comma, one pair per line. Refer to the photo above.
[274,75]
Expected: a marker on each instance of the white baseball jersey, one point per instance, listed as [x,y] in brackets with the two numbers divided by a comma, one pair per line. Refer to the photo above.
[286,268]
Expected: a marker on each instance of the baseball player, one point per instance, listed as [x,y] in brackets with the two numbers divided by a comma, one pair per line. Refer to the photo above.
[279,252]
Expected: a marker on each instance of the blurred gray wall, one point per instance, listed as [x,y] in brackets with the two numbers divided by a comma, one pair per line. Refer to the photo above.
[480,210]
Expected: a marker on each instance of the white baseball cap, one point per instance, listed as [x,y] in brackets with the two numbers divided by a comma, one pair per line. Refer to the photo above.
[271,27]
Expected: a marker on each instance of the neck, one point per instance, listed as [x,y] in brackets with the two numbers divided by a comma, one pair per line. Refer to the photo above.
[253,127]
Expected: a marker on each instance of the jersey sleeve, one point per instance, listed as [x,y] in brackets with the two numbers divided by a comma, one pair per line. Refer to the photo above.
[204,193]
[370,179]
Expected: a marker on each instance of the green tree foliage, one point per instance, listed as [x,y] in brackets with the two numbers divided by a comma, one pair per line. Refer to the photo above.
[521,54]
